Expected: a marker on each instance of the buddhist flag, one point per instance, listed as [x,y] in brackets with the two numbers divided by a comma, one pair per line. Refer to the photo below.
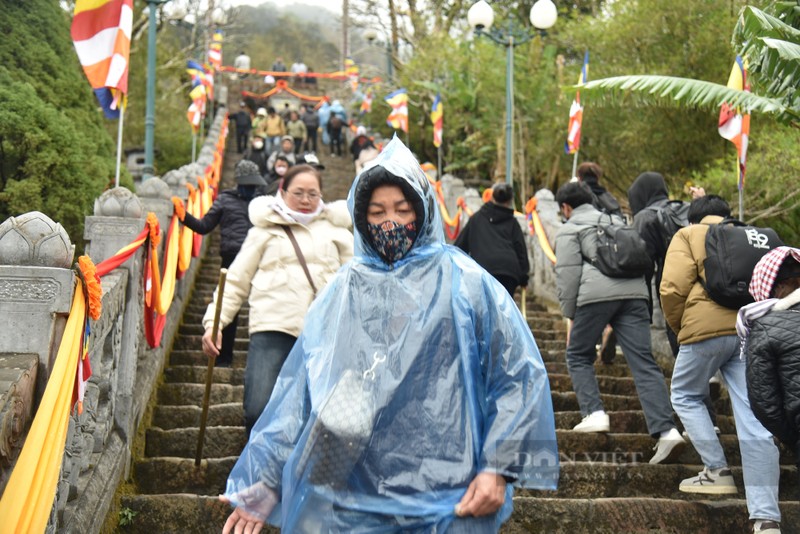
[734,126]
[437,118]
[215,50]
[200,75]
[101,33]
[351,69]
[194,116]
[573,142]
[398,118]
[366,104]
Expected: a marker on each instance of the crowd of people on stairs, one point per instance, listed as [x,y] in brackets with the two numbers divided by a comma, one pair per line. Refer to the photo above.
[365,327]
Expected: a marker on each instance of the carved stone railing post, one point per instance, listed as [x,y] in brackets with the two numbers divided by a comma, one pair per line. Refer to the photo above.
[155,196]
[36,287]
[118,219]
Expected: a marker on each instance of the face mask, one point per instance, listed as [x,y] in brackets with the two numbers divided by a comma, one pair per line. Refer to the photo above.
[280,171]
[247,192]
[392,240]
[258,145]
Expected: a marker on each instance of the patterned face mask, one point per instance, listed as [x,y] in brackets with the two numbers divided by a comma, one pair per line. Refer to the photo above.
[392,240]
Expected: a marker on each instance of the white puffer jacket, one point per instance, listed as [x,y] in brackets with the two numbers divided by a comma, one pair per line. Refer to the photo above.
[268,272]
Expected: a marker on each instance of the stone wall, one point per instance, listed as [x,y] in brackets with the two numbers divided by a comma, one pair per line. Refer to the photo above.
[36,285]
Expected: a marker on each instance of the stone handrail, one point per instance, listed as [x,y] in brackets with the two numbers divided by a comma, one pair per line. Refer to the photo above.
[36,285]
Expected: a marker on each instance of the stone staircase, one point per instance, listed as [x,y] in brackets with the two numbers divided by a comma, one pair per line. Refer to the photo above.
[606,484]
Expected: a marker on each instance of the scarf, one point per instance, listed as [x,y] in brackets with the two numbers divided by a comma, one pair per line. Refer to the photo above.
[292,216]
[764,274]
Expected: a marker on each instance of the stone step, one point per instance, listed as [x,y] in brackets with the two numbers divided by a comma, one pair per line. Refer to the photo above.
[196,341]
[220,442]
[171,417]
[197,317]
[182,394]
[197,329]
[185,513]
[614,475]
[642,514]
[608,384]
[632,422]
[542,334]
[558,365]
[195,356]
[584,446]
[180,475]
[200,514]
[197,374]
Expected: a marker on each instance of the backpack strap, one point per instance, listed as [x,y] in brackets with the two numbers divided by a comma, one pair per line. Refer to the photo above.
[300,257]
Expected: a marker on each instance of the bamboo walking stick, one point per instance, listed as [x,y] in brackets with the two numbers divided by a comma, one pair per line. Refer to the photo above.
[523,305]
[223,273]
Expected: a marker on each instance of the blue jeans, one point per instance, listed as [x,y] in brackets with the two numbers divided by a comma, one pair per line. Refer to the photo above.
[630,319]
[265,356]
[695,365]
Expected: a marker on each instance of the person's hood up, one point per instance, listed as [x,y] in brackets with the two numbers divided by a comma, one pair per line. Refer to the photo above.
[647,189]
[395,165]
[262,213]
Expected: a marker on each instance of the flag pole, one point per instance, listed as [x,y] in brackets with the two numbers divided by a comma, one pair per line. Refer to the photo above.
[439,162]
[741,188]
[194,146]
[119,145]
[575,164]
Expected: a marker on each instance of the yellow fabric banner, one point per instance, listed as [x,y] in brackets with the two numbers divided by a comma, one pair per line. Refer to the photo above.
[28,497]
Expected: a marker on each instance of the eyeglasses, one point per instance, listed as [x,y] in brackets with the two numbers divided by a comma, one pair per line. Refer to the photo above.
[313,196]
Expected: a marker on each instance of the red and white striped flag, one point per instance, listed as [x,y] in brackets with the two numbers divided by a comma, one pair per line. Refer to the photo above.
[573,142]
[101,33]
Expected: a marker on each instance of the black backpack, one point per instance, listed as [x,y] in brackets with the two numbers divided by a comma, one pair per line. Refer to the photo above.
[606,203]
[621,251]
[732,251]
[672,216]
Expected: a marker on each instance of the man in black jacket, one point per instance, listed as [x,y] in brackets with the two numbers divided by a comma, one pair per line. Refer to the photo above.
[229,212]
[494,239]
[590,173]
[310,118]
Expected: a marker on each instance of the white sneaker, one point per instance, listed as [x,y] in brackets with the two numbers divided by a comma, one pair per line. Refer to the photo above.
[711,482]
[668,448]
[594,422]
[766,527]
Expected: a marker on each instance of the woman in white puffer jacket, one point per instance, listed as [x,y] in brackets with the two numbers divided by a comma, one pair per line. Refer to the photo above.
[268,272]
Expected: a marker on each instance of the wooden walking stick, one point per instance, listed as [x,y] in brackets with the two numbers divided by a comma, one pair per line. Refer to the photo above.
[523,304]
[223,273]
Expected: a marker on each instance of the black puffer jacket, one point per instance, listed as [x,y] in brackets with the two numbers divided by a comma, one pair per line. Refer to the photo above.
[494,239]
[229,211]
[773,371]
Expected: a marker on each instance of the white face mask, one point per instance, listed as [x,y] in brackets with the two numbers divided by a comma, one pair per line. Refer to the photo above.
[280,171]
[258,145]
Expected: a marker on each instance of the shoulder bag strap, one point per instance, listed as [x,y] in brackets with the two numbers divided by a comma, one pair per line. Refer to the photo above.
[300,256]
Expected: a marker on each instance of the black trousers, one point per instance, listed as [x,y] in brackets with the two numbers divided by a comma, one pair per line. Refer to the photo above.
[311,139]
[225,358]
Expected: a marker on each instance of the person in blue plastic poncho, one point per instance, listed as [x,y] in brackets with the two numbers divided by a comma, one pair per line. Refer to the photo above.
[415,395]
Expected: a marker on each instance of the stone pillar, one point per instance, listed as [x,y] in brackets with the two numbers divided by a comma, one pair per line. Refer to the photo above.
[155,196]
[118,218]
[36,288]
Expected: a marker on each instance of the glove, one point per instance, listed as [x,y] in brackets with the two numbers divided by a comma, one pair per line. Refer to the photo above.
[180,209]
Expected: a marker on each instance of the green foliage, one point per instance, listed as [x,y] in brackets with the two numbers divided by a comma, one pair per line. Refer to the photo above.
[55,155]
[127,516]
[772,194]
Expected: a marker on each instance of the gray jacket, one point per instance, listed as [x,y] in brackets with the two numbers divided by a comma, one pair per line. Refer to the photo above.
[578,281]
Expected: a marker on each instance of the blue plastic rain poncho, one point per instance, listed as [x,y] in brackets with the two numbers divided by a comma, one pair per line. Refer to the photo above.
[408,380]
[324,114]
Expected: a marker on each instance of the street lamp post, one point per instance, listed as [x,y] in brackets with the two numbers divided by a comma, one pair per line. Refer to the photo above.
[150,109]
[371,36]
[481,16]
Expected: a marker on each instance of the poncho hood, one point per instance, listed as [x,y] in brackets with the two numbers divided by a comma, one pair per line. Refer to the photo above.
[396,165]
